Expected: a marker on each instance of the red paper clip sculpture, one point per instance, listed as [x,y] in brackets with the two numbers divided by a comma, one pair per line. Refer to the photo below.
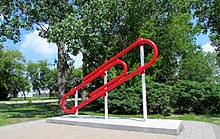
[100,71]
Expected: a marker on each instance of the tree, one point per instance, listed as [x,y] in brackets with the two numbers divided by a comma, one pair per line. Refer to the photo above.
[100,28]
[25,87]
[74,78]
[48,77]
[174,34]
[44,74]
[17,14]
[198,66]
[53,82]
[42,77]
[107,27]
[207,13]
[11,72]
[33,73]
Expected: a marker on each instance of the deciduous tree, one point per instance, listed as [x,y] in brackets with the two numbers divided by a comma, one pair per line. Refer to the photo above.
[11,72]
[198,66]
[207,13]
[17,14]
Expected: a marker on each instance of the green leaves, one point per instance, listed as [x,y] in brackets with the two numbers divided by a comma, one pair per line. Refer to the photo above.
[208,16]
[26,14]
[159,99]
[173,33]
[199,98]
[12,71]
[41,76]
[198,66]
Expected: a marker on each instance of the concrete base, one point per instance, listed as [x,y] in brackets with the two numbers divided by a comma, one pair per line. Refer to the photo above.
[159,126]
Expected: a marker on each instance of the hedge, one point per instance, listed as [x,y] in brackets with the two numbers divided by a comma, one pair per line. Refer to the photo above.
[182,97]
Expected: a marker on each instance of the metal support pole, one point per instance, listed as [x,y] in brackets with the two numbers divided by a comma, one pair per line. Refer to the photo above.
[76,101]
[143,84]
[106,97]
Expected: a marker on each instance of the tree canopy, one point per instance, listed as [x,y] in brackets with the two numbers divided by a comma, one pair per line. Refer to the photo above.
[102,28]
[207,13]
[12,79]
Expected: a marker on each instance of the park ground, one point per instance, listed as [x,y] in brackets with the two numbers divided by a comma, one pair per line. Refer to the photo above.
[26,119]
[17,111]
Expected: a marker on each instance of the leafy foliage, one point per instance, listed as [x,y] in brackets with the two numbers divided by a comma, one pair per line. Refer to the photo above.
[73,77]
[41,77]
[20,14]
[159,99]
[102,28]
[33,74]
[12,79]
[17,14]
[174,35]
[198,66]
[182,97]
[200,98]
[207,13]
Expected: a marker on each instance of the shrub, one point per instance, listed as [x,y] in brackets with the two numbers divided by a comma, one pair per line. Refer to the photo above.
[187,95]
[182,97]
[159,98]
[125,101]
[4,93]
[211,101]
[120,101]
[195,97]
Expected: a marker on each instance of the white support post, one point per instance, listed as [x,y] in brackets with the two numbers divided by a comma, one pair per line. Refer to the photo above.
[76,101]
[143,84]
[106,97]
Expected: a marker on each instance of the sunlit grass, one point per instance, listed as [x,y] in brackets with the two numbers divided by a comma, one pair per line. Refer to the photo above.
[32,98]
[17,113]
[8,121]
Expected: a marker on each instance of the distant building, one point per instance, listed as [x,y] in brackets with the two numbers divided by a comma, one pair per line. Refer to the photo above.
[27,94]
[34,93]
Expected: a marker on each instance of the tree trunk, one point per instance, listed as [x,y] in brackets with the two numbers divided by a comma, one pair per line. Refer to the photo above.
[39,93]
[83,95]
[15,94]
[50,93]
[61,72]
[24,95]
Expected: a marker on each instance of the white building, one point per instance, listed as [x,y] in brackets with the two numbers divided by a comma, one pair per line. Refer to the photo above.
[27,94]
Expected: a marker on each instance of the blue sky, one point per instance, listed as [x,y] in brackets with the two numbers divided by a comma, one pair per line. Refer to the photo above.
[35,48]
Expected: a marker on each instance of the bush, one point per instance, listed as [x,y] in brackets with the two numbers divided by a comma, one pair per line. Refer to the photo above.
[182,97]
[211,101]
[187,96]
[195,97]
[125,101]
[3,93]
[120,101]
[159,99]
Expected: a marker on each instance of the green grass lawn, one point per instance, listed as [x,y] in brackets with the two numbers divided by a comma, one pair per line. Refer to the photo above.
[16,113]
[32,98]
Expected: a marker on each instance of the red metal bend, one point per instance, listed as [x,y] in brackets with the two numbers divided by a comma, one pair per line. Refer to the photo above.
[114,82]
[73,90]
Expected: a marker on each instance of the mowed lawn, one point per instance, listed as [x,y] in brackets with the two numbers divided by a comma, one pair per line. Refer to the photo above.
[17,113]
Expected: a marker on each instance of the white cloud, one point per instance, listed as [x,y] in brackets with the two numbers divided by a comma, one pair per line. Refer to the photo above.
[35,48]
[33,43]
[78,59]
[208,48]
